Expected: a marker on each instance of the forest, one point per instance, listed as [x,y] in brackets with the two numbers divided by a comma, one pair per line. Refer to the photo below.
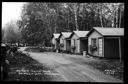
[40,20]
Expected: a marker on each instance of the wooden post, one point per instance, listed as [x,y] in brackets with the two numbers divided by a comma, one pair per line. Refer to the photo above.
[120,48]
[103,47]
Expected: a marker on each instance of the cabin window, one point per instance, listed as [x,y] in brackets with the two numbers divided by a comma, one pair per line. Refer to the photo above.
[93,42]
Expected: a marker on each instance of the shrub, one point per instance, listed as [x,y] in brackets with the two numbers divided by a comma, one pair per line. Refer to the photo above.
[61,45]
[92,48]
[73,48]
[53,45]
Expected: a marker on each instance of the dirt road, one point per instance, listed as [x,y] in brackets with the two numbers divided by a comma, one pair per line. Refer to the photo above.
[69,69]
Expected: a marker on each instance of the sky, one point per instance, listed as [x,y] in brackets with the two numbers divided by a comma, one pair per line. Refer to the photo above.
[11,11]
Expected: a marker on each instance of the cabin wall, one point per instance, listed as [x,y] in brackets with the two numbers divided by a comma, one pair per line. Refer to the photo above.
[62,41]
[54,42]
[96,35]
[77,43]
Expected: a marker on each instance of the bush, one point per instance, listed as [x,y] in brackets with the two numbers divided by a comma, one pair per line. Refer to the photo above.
[53,50]
[61,45]
[92,48]
[14,49]
[36,49]
[73,48]
[20,58]
[41,49]
[22,61]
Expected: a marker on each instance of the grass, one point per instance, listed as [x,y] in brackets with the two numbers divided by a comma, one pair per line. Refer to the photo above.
[107,66]
[36,49]
[110,67]
[24,68]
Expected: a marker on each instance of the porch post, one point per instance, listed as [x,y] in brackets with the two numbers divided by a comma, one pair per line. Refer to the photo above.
[103,47]
[120,48]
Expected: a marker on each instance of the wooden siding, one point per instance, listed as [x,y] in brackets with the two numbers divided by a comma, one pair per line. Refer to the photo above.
[54,42]
[77,43]
[96,35]
[62,41]
[65,42]
[100,47]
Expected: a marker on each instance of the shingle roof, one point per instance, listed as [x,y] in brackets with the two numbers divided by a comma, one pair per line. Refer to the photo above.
[56,35]
[110,31]
[81,33]
[66,34]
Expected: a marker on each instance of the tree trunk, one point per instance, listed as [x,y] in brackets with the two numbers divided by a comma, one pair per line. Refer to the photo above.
[113,20]
[87,26]
[101,21]
[101,17]
[117,18]
[76,24]
[120,19]
[68,22]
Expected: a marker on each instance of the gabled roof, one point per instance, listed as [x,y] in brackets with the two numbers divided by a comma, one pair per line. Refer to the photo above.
[56,35]
[108,31]
[80,33]
[65,34]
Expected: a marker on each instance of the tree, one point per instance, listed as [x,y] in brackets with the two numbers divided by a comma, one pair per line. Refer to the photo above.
[41,20]
[11,33]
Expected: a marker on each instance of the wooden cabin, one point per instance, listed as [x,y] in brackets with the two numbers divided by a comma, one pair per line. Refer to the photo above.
[55,40]
[64,39]
[79,40]
[106,42]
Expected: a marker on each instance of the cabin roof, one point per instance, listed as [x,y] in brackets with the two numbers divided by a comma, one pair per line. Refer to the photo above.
[108,31]
[81,33]
[66,34]
[56,35]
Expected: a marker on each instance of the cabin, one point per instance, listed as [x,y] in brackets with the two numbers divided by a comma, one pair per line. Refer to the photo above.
[65,41]
[55,40]
[106,42]
[79,40]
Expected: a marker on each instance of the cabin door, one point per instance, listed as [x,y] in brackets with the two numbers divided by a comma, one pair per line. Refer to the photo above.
[111,47]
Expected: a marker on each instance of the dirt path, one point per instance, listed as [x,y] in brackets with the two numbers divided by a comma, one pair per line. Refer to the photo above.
[71,70]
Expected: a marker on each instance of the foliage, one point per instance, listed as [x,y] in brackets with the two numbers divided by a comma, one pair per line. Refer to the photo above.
[24,68]
[41,20]
[110,67]
[35,49]
[61,45]
[11,33]
[53,45]
[93,48]
[73,47]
